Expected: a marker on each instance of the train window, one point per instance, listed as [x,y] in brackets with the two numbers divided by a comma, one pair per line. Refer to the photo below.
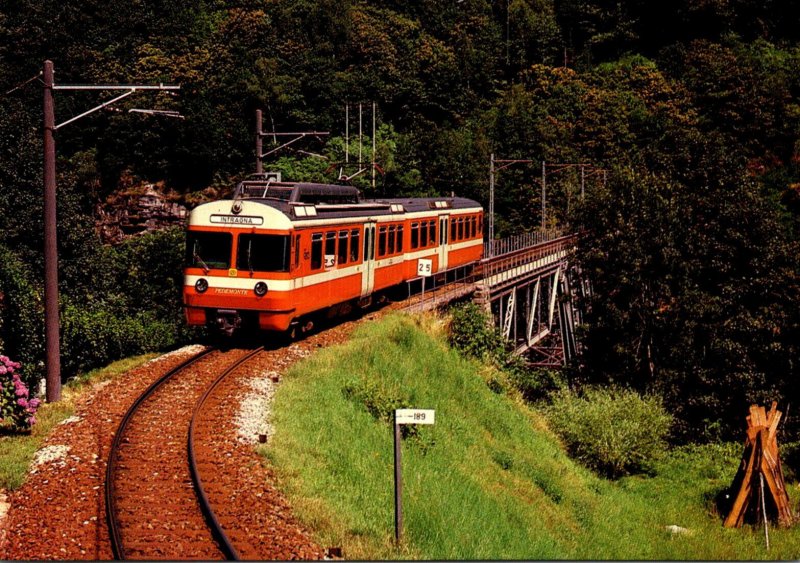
[400,238]
[342,247]
[296,252]
[263,253]
[461,229]
[480,224]
[316,251]
[381,242]
[354,246]
[453,225]
[208,250]
[330,249]
[432,232]
[423,235]
[369,236]
[369,243]
[392,235]
[473,226]
[414,235]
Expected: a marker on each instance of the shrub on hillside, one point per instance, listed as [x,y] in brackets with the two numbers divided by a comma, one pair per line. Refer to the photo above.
[472,334]
[379,398]
[613,431]
[535,384]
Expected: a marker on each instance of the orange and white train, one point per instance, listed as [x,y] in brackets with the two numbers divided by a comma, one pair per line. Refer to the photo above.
[278,254]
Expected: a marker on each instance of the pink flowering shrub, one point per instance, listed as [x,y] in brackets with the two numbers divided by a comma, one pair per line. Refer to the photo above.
[17,408]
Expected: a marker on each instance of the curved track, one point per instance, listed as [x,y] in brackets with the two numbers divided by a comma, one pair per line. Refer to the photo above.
[226,544]
[155,502]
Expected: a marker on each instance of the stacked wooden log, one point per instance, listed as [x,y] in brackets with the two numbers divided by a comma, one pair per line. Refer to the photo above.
[758,485]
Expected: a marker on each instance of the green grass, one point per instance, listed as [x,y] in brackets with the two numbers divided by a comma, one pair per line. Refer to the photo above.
[16,450]
[488,480]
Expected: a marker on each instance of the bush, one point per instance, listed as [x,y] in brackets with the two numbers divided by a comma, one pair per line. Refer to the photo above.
[534,383]
[379,398]
[612,431]
[17,408]
[21,315]
[473,334]
[93,335]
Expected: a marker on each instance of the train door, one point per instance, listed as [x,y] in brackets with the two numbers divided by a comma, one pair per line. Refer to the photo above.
[368,276]
[444,223]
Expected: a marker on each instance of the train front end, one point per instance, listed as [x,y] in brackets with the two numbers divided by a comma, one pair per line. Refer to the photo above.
[237,267]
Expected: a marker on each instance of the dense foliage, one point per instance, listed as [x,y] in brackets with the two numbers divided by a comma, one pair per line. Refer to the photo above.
[613,431]
[691,108]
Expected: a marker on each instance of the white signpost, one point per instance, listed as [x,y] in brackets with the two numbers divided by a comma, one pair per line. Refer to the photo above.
[404,416]
[424,269]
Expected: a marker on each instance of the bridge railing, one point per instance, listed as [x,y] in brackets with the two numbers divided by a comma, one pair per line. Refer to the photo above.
[505,267]
[511,244]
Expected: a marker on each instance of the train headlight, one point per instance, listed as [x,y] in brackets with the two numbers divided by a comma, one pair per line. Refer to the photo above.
[260,289]
[201,285]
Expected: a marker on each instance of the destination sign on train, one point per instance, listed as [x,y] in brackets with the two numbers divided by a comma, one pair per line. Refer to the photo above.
[414,416]
[236,220]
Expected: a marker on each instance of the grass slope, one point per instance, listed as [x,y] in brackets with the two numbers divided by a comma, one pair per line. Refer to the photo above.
[488,480]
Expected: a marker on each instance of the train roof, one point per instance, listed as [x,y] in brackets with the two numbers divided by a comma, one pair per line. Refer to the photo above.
[334,201]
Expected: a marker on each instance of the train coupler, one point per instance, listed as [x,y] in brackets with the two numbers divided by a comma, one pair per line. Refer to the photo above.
[227,321]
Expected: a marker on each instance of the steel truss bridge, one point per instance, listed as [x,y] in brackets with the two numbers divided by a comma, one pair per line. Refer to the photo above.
[528,285]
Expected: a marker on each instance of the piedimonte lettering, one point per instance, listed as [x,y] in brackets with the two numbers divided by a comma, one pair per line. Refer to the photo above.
[237,220]
[230,291]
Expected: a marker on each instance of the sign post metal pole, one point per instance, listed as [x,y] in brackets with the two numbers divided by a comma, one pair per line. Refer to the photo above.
[398,483]
[404,416]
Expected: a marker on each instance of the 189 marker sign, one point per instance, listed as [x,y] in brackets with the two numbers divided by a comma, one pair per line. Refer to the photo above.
[404,416]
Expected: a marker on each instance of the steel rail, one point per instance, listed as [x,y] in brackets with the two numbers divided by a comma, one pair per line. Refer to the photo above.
[229,550]
[111,512]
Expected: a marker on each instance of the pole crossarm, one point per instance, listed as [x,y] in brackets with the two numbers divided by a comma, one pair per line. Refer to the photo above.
[510,162]
[595,171]
[94,109]
[115,87]
[297,137]
[128,88]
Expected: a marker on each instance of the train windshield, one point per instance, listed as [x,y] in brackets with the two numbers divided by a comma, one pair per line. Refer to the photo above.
[263,253]
[208,250]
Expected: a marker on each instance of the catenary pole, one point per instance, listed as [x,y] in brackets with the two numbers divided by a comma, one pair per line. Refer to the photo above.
[259,142]
[51,314]
[51,299]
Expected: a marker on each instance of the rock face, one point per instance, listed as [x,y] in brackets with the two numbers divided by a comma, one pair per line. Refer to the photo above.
[136,210]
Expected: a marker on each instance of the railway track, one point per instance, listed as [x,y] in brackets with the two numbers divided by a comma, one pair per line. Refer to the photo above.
[156,501]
